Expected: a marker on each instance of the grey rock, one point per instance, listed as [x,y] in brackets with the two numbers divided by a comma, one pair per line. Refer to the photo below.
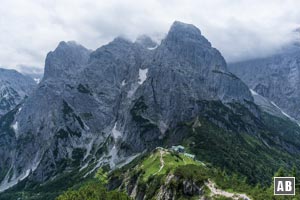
[14,87]
[109,105]
[270,107]
[276,78]
[67,60]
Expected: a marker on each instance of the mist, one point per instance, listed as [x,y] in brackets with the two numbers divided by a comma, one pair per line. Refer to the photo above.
[239,29]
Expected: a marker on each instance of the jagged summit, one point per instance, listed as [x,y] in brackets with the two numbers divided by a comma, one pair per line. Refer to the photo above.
[69,46]
[116,43]
[182,32]
[113,50]
[121,39]
[66,59]
[177,25]
[71,43]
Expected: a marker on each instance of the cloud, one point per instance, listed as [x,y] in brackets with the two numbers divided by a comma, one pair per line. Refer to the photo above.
[31,70]
[240,29]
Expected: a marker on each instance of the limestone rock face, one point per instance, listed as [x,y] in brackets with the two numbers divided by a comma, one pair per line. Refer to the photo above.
[105,106]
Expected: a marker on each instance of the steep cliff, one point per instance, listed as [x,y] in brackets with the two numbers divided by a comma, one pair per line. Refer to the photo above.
[104,107]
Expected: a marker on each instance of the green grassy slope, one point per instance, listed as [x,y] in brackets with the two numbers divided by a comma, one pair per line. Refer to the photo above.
[149,180]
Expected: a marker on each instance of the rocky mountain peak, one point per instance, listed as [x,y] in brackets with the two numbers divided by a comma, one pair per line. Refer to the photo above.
[118,42]
[185,45]
[68,44]
[66,59]
[182,32]
[177,25]
[120,97]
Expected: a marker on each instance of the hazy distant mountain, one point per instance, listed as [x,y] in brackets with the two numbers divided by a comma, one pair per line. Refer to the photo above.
[14,87]
[276,77]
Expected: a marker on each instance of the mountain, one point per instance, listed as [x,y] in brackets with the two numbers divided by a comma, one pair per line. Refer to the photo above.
[106,107]
[275,77]
[14,87]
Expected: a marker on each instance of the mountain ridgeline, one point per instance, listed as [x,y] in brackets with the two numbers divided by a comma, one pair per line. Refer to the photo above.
[276,77]
[106,107]
[14,87]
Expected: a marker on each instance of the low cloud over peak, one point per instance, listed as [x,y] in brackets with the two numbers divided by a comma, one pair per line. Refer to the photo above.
[239,29]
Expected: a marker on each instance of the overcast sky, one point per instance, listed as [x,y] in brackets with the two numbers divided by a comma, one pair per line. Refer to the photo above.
[239,29]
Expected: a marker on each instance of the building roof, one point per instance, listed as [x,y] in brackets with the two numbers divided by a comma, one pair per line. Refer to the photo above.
[178,147]
[189,155]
